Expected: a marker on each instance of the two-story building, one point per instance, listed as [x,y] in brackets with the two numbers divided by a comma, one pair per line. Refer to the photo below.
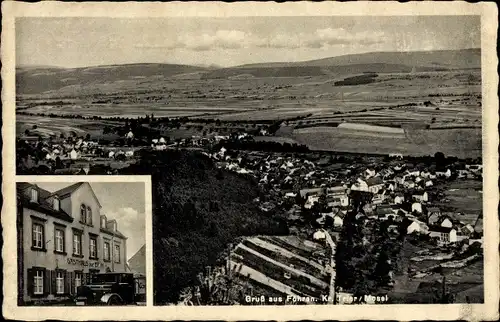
[62,240]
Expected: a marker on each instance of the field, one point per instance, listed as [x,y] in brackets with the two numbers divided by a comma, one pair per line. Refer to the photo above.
[55,126]
[267,258]
[464,196]
[439,110]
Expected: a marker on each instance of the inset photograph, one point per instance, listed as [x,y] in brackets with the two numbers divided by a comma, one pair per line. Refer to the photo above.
[81,243]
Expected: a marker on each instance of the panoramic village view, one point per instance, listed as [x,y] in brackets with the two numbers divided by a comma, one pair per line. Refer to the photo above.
[351,179]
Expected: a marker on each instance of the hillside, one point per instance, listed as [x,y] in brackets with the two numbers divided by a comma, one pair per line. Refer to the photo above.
[197,211]
[304,71]
[452,59]
[33,80]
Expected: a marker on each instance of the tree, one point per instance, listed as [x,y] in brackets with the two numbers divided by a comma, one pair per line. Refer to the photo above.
[27,132]
[87,137]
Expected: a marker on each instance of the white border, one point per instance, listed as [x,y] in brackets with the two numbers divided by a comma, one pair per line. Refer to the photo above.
[488,12]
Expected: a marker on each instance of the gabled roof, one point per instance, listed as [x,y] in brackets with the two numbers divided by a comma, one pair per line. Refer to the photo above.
[114,233]
[67,191]
[43,206]
[374,181]
[439,229]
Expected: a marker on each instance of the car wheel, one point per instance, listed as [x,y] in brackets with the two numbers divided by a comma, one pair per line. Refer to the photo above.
[114,300]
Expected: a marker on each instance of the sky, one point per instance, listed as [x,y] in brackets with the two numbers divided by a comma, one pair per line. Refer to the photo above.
[88,41]
[122,201]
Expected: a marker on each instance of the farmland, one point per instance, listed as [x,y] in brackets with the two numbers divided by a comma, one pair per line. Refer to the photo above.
[438,109]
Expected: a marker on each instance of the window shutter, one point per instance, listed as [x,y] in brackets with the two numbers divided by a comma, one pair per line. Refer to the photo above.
[30,281]
[87,278]
[53,287]
[46,281]
[67,283]
[72,283]
[33,242]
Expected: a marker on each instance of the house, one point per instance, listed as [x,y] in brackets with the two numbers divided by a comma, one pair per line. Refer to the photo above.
[129,135]
[391,186]
[433,218]
[338,219]
[399,179]
[360,185]
[129,154]
[396,156]
[311,200]
[412,172]
[417,226]
[445,221]
[428,183]
[445,235]
[73,155]
[335,201]
[446,173]
[410,184]
[370,173]
[374,184]
[417,207]
[63,241]
[336,191]
[384,212]
[399,198]
[421,197]
[380,197]
[111,154]
[319,235]
[304,193]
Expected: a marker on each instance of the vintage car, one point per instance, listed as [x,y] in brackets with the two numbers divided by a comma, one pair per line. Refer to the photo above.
[112,289]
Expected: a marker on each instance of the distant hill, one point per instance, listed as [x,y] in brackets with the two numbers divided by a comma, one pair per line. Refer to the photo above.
[33,80]
[453,59]
[197,210]
[377,62]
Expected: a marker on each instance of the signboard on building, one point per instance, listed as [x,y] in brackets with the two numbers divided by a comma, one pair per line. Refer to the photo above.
[85,263]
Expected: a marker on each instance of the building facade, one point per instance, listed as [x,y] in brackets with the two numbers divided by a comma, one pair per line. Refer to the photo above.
[62,240]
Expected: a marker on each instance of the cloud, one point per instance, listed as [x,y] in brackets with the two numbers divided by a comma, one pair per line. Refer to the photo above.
[340,36]
[225,39]
[131,223]
[237,39]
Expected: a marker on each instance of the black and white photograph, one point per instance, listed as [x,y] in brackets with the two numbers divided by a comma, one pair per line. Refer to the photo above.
[330,160]
[302,157]
[81,244]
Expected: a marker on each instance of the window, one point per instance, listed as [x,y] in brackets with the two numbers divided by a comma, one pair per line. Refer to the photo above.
[92,247]
[89,216]
[77,243]
[60,282]
[78,280]
[38,282]
[59,240]
[83,214]
[107,253]
[55,204]
[38,236]
[34,195]
[117,253]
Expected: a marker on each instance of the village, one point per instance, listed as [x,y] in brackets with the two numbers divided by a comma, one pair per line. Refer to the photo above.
[315,193]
